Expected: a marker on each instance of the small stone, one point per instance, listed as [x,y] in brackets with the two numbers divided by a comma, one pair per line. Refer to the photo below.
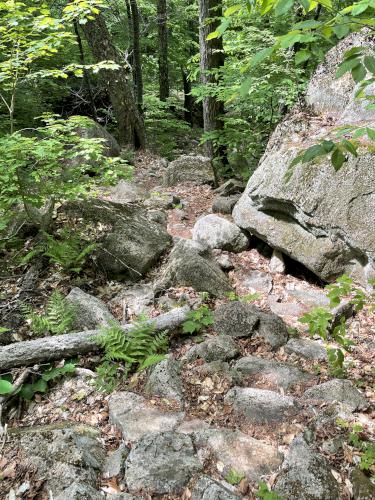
[127,192]
[342,391]
[161,463]
[224,261]
[191,264]
[344,310]
[189,168]
[237,451]
[134,300]
[308,349]
[222,369]
[224,204]
[90,312]
[207,488]
[310,298]
[217,232]
[238,319]
[277,264]
[258,281]
[261,406]
[306,475]
[280,308]
[279,375]
[165,380]
[221,348]
[230,187]
[135,416]
[114,462]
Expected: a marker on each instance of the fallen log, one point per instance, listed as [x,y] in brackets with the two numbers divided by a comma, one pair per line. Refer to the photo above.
[47,349]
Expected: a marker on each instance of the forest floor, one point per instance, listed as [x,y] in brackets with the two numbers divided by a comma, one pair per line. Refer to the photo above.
[290,295]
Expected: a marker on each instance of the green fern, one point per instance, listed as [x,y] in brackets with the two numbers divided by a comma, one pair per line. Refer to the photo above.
[139,347]
[68,252]
[58,317]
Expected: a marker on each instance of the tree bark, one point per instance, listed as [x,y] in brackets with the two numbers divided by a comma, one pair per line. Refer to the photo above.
[137,65]
[163,50]
[211,59]
[86,75]
[130,123]
[48,349]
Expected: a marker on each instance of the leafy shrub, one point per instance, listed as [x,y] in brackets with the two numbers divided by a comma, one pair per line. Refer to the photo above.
[58,316]
[234,477]
[138,348]
[197,320]
[320,319]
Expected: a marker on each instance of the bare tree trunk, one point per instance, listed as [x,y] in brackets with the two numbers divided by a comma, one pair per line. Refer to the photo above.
[188,99]
[130,123]
[211,59]
[163,50]
[137,67]
[86,75]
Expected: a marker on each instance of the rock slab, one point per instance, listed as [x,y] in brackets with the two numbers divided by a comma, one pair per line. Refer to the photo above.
[217,232]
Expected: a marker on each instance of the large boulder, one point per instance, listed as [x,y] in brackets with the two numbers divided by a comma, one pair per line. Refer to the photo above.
[129,241]
[93,130]
[189,168]
[191,264]
[90,312]
[217,232]
[321,218]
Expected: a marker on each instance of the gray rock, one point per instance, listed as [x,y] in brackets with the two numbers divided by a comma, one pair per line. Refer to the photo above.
[342,391]
[217,232]
[238,319]
[224,261]
[230,187]
[90,312]
[95,131]
[161,463]
[207,488]
[309,349]
[164,380]
[333,445]
[273,373]
[135,416]
[157,216]
[127,192]
[235,450]
[281,308]
[129,242]
[221,348]
[363,487]
[191,264]
[123,496]
[261,406]
[306,475]
[68,459]
[310,298]
[257,281]
[114,462]
[277,264]
[344,310]
[191,426]
[196,169]
[321,218]
[163,201]
[222,369]
[225,204]
[134,300]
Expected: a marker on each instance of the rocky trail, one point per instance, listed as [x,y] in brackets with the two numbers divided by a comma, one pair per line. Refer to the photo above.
[248,400]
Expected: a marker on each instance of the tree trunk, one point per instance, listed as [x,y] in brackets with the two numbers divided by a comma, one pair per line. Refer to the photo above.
[137,65]
[163,49]
[48,349]
[211,59]
[188,99]
[86,75]
[130,123]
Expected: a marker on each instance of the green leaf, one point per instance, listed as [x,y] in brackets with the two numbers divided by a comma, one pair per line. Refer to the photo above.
[189,326]
[349,146]
[27,392]
[283,6]
[369,62]
[302,56]
[5,387]
[231,10]
[313,152]
[346,66]
[337,159]
[261,55]
[40,386]
[370,133]
[341,30]
[358,73]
